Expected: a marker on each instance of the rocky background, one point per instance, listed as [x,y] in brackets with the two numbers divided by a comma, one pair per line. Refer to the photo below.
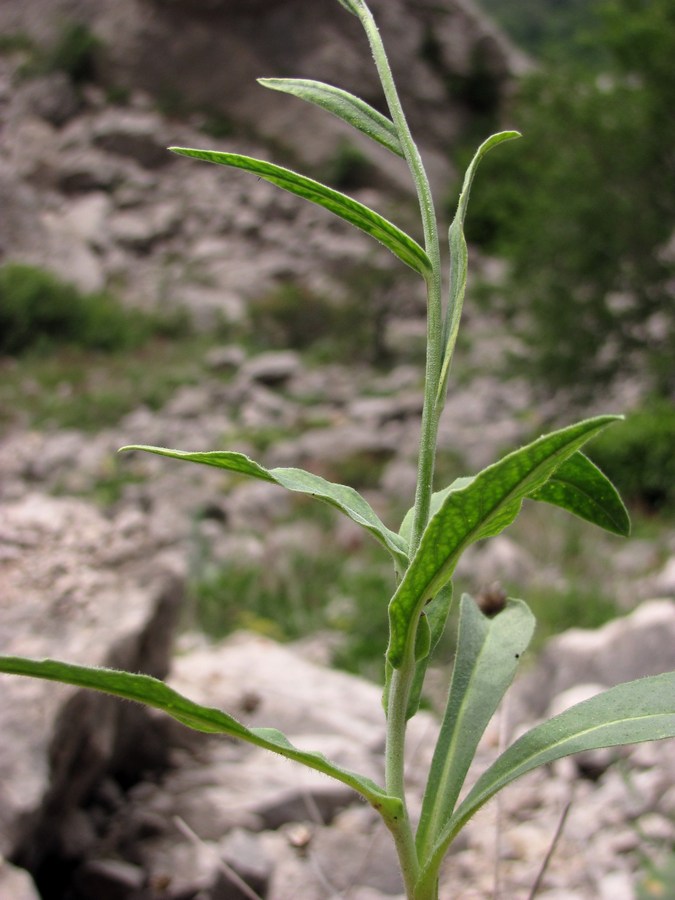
[101,800]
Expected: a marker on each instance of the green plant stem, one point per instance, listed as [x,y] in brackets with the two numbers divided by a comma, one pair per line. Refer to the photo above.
[429,429]
[401,680]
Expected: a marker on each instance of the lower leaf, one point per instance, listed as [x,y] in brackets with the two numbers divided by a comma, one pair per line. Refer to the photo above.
[152,692]
[642,710]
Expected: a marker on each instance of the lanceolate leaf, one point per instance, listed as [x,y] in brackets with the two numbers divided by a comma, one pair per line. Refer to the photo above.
[488,653]
[642,710]
[400,244]
[577,485]
[459,260]
[435,616]
[483,508]
[151,692]
[342,104]
[581,488]
[341,496]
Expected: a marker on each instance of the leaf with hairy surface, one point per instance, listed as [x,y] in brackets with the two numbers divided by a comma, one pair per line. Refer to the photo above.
[345,106]
[642,710]
[400,244]
[483,508]
[340,496]
[152,692]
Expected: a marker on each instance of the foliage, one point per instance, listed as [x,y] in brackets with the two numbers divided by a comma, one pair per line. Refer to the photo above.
[39,311]
[425,550]
[544,28]
[322,326]
[73,52]
[658,883]
[347,168]
[583,214]
[640,457]
[16,42]
[71,387]
[299,593]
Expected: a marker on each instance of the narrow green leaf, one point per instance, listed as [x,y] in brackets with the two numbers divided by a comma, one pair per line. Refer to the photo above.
[400,244]
[581,488]
[342,104]
[152,692]
[488,653]
[422,639]
[577,486]
[340,496]
[459,260]
[435,616]
[642,710]
[483,508]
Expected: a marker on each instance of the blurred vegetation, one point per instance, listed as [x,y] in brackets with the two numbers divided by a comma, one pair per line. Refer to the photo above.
[546,28]
[659,881]
[294,594]
[347,169]
[324,327]
[65,357]
[39,311]
[639,457]
[73,52]
[583,207]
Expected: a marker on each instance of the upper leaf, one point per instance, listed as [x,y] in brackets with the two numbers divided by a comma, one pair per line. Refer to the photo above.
[577,485]
[581,488]
[484,507]
[340,496]
[642,710]
[437,499]
[342,104]
[488,653]
[459,260]
[152,692]
[400,244]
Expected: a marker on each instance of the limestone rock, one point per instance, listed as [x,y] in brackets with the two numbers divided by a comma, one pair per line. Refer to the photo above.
[634,646]
[16,884]
[61,600]
[180,47]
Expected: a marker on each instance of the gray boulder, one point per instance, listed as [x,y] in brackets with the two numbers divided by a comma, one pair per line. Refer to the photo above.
[62,599]
[634,646]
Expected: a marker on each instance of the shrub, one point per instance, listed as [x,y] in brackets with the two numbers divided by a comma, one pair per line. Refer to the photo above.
[74,53]
[582,213]
[38,311]
[640,457]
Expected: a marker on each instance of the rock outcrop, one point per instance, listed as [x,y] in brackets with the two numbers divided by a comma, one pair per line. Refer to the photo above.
[214,813]
[452,61]
[72,588]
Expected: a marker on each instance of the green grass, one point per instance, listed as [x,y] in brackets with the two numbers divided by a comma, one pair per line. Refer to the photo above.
[72,387]
[291,596]
[40,312]
[659,881]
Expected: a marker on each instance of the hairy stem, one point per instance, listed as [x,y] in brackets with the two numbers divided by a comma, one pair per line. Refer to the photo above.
[425,468]
[401,680]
